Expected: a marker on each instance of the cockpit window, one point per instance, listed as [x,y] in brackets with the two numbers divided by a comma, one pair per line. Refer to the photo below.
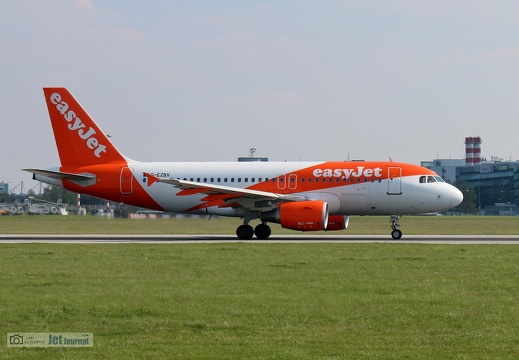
[430,179]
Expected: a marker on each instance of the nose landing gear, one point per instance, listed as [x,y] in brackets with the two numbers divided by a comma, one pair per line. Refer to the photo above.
[395,233]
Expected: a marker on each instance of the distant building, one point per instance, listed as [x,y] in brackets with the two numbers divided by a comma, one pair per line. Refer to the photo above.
[495,182]
[251,157]
[247,158]
[4,188]
[446,168]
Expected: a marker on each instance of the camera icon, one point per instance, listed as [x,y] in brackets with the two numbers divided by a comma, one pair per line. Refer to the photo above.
[16,340]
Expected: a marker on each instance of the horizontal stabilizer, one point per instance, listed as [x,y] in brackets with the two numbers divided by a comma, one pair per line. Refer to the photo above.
[80,179]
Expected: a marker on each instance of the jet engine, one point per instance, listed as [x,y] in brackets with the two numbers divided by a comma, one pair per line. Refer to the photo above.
[302,216]
[337,222]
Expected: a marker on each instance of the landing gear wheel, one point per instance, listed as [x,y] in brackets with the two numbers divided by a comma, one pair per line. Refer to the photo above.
[262,231]
[396,234]
[244,232]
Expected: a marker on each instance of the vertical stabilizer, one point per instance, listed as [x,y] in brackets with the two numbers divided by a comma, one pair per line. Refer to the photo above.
[78,138]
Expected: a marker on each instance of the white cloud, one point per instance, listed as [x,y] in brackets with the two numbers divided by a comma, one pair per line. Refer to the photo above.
[85,5]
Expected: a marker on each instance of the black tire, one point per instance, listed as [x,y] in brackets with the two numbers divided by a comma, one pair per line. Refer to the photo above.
[262,231]
[244,232]
[396,234]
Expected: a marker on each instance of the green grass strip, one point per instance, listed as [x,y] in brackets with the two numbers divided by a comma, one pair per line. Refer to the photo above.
[264,301]
[359,225]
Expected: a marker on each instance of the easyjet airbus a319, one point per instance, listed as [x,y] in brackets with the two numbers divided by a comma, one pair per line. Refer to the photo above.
[303,196]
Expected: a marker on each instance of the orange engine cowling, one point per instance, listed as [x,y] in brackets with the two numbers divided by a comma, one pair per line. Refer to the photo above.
[302,216]
[337,222]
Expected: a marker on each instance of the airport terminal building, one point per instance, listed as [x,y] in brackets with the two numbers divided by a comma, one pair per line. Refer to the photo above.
[494,182]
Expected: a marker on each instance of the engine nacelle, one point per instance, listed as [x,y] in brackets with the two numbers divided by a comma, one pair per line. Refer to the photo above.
[301,216]
[337,222]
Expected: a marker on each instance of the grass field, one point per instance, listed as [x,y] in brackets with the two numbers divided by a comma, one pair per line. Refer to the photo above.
[377,225]
[262,301]
[265,301]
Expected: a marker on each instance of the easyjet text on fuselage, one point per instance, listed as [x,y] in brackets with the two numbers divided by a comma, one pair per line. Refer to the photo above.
[359,171]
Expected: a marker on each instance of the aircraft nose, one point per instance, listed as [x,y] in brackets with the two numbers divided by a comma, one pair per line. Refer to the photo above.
[454,196]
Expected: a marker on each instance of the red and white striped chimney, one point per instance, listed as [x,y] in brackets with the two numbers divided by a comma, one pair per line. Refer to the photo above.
[473,151]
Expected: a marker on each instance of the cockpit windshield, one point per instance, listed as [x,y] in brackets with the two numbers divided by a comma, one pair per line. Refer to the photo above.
[430,179]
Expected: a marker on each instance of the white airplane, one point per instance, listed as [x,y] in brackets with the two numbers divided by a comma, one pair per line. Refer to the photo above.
[303,196]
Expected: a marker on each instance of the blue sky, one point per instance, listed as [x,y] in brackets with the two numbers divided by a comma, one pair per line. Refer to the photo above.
[297,80]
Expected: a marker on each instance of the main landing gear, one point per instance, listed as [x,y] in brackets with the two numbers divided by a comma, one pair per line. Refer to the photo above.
[395,233]
[245,231]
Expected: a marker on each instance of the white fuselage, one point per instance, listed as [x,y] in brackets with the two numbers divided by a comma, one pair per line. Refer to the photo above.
[403,195]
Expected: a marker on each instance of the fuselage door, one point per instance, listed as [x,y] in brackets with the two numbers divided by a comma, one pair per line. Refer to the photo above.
[281,182]
[126,181]
[394,181]
[292,181]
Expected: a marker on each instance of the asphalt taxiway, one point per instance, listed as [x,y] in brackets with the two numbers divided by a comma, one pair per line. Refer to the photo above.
[187,239]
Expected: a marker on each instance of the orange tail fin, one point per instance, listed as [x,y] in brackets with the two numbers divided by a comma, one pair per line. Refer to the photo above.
[78,138]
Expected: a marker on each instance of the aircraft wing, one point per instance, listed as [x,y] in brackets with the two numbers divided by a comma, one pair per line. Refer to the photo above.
[245,197]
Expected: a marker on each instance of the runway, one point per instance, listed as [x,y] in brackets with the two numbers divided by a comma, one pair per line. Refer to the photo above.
[193,239]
